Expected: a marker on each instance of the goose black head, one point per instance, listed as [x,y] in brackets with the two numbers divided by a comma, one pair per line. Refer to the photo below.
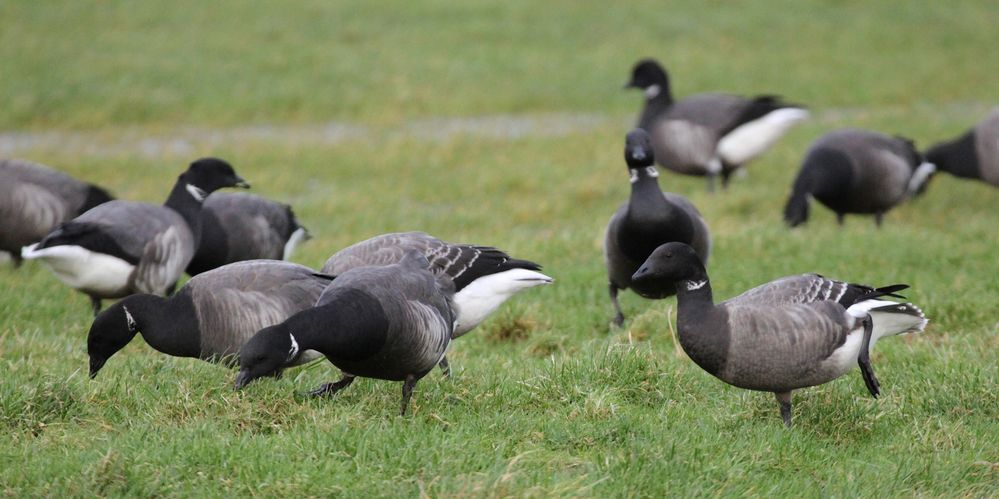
[670,262]
[111,330]
[638,149]
[649,76]
[265,354]
[212,174]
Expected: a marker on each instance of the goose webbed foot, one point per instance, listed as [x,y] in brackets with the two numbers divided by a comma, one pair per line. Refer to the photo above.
[329,389]
[784,399]
[407,392]
[445,367]
[618,319]
[864,359]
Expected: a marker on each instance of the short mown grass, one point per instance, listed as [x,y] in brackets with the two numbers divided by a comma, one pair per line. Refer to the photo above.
[546,399]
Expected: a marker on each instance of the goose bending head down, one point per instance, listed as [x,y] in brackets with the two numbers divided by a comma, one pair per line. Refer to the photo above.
[212,316]
[792,333]
[123,247]
[391,322]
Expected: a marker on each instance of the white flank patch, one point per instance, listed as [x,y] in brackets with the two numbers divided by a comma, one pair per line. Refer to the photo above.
[845,357]
[652,91]
[297,237]
[83,269]
[484,295]
[197,192]
[694,285]
[919,177]
[752,139]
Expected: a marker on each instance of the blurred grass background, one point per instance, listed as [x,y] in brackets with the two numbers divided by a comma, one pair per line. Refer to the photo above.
[502,123]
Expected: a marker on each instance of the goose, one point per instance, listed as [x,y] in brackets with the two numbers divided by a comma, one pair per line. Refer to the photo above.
[34,199]
[236,226]
[648,219]
[791,333]
[974,155]
[212,316]
[391,322]
[708,134]
[124,247]
[484,277]
[857,171]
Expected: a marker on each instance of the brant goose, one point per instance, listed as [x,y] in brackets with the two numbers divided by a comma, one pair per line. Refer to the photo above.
[124,247]
[857,171]
[484,277]
[972,155]
[391,322]
[212,316]
[236,226]
[708,134]
[792,333]
[648,219]
[34,199]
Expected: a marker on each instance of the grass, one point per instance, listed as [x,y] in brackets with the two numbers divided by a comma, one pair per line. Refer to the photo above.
[547,400]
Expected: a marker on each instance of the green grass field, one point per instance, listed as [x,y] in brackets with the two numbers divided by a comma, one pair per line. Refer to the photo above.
[502,123]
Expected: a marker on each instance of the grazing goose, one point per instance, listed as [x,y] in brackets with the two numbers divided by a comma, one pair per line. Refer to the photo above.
[650,218]
[236,226]
[857,171]
[212,316]
[124,247]
[34,199]
[791,333]
[391,322]
[708,134]
[972,155]
[484,277]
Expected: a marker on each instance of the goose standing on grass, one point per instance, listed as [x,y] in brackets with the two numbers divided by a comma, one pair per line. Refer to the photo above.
[973,155]
[792,333]
[34,199]
[237,226]
[857,171]
[391,322]
[648,219]
[123,247]
[484,277]
[212,316]
[708,134]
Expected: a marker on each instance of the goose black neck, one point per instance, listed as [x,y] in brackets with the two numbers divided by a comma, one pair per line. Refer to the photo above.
[352,326]
[694,291]
[651,220]
[958,158]
[183,200]
[654,108]
[167,324]
[701,327]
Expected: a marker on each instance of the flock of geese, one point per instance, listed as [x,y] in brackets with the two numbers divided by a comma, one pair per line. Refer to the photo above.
[389,307]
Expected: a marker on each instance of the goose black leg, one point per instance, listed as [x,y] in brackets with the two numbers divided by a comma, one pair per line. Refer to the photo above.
[879,217]
[725,176]
[407,392]
[95,303]
[839,218]
[618,316]
[445,367]
[711,182]
[864,359]
[328,389]
[784,399]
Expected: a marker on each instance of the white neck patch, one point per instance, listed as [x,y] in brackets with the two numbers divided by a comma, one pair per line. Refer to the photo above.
[694,285]
[652,91]
[293,351]
[132,326]
[920,176]
[197,192]
[649,170]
